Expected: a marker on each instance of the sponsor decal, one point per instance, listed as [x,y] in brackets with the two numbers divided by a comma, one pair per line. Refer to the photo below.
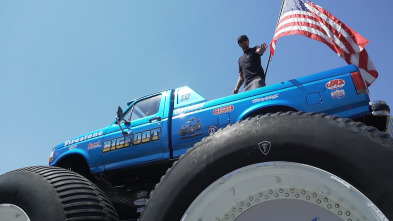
[335,84]
[223,110]
[80,139]
[212,129]
[338,94]
[267,98]
[191,126]
[265,147]
[134,139]
[188,109]
[94,145]
[185,97]
[72,147]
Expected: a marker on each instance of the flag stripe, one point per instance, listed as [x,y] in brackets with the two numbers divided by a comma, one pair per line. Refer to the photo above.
[273,47]
[359,41]
[302,17]
[334,31]
[304,24]
[339,30]
[310,33]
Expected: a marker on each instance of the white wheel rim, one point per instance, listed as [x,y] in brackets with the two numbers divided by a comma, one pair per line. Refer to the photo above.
[12,212]
[281,191]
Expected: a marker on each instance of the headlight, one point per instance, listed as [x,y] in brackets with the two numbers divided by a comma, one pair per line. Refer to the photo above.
[51,156]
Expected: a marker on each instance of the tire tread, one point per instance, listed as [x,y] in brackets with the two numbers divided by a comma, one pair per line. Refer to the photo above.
[81,199]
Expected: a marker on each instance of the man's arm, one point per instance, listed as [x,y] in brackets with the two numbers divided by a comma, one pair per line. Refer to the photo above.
[262,49]
[240,81]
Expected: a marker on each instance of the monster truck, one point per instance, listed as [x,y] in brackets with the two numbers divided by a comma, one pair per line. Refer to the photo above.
[192,125]
[311,148]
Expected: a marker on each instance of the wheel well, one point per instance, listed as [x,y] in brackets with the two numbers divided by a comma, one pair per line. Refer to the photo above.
[77,164]
[380,122]
[267,110]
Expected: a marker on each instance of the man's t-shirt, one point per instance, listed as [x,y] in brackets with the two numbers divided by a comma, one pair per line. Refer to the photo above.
[250,65]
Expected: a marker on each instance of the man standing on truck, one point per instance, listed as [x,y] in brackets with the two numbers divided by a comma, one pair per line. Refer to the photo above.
[250,68]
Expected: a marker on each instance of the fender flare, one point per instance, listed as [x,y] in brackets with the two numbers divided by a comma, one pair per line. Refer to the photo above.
[263,109]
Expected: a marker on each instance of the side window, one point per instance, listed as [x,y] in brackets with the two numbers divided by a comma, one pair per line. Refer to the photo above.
[146,108]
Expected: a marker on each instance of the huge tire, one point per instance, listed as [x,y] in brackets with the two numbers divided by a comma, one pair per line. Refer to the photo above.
[52,193]
[316,167]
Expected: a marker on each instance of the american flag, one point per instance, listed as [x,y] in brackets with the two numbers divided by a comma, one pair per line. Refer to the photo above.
[303,17]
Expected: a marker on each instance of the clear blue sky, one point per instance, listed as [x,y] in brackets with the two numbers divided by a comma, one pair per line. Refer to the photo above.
[65,66]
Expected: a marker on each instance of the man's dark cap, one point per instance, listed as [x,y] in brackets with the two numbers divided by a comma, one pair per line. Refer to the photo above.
[242,37]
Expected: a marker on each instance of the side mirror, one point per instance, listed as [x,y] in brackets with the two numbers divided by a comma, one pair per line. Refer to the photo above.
[120,114]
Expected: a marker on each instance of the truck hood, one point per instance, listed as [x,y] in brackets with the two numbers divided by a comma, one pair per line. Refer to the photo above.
[84,137]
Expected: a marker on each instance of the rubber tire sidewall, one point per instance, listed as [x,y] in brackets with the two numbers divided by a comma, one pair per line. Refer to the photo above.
[54,193]
[32,194]
[352,151]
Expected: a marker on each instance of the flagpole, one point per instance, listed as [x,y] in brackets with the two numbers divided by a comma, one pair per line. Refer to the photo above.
[278,21]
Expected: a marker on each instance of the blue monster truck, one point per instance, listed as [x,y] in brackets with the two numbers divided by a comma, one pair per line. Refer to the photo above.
[190,127]
[314,143]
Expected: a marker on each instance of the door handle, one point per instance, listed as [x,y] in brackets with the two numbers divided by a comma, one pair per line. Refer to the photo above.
[155,119]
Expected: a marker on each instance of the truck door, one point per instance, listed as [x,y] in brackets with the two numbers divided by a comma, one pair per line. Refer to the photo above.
[141,140]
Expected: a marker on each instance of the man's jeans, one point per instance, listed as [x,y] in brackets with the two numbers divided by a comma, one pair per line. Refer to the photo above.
[254,84]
